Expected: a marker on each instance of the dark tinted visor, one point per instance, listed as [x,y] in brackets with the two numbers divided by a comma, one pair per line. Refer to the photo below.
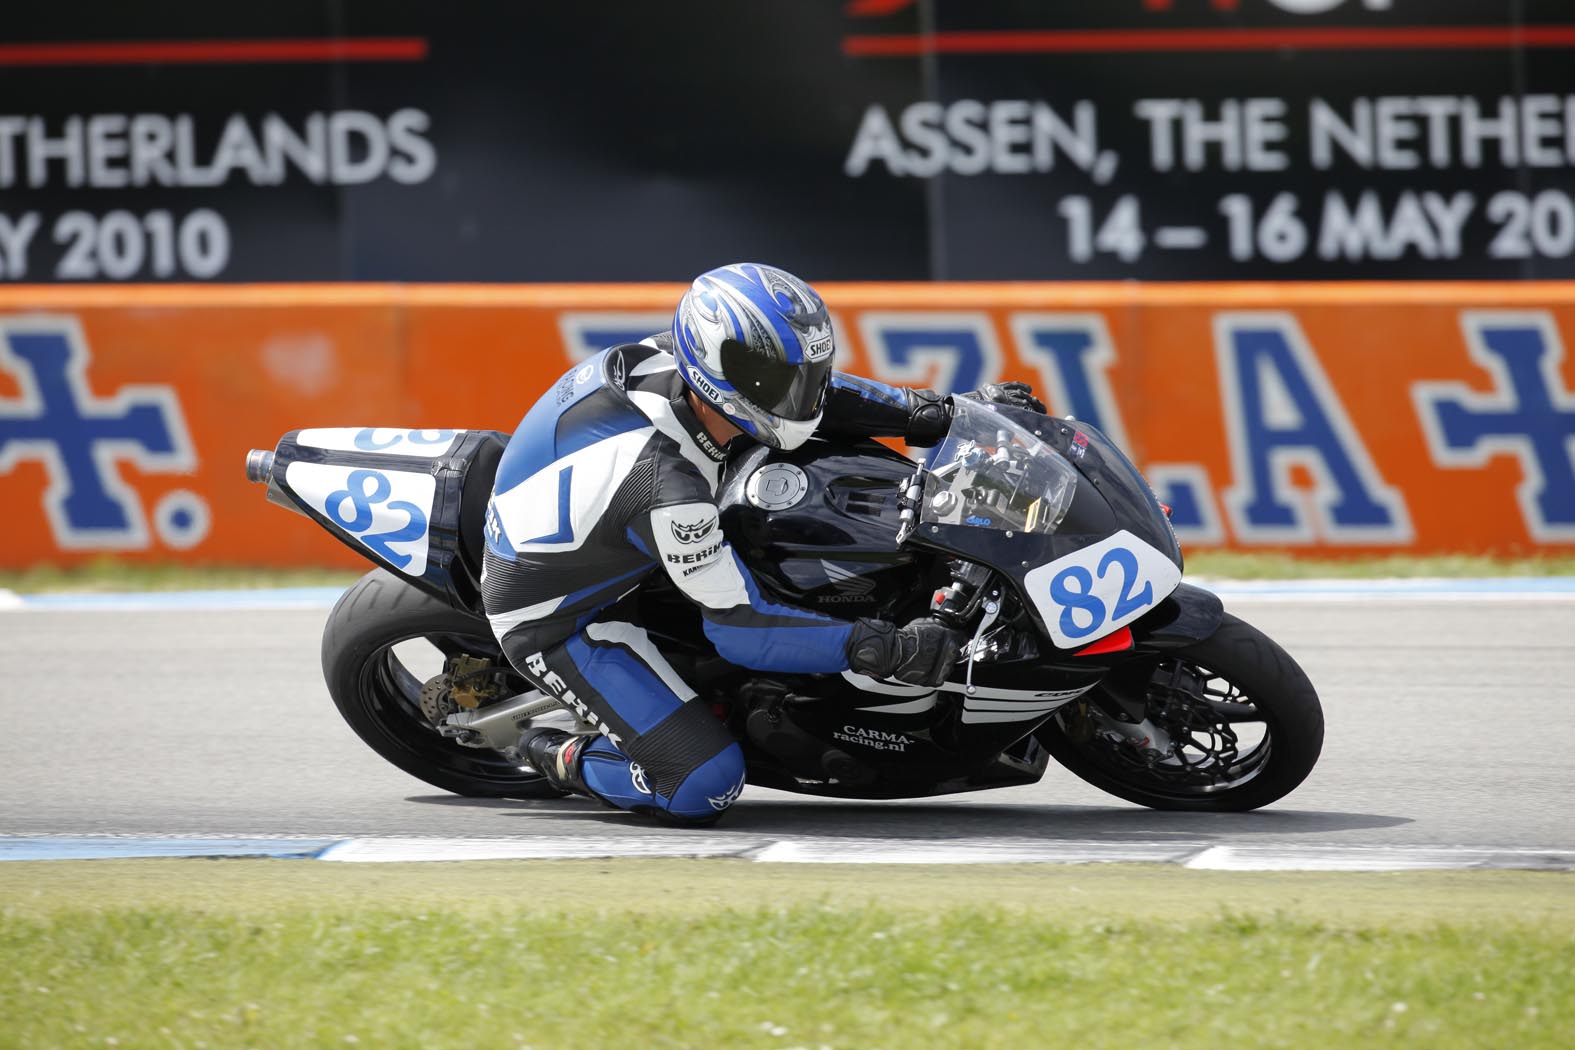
[795,392]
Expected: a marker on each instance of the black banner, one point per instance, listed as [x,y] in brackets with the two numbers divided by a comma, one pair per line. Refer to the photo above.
[865,139]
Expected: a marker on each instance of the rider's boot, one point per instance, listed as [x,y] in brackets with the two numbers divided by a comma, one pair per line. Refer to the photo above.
[556,754]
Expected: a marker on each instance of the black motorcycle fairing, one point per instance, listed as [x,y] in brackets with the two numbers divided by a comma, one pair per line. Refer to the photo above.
[833,550]
[1111,496]
[1131,501]
[812,741]
[856,738]
[1188,616]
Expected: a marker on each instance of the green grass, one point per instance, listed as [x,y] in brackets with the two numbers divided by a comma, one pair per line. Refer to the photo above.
[109,575]
[724,954]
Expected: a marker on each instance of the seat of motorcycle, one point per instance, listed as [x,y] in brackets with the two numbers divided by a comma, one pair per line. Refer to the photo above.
[473,496]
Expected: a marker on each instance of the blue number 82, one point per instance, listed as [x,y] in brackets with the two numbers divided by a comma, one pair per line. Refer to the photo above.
[364,489]
[1080,598]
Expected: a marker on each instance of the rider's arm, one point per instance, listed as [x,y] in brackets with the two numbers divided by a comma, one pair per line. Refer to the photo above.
[746,628]
[753,632]
[859,407]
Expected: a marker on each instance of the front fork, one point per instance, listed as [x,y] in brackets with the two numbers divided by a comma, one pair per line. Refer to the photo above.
[1188,616]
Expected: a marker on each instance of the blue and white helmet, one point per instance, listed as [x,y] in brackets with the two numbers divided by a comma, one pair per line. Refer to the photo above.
[756,343]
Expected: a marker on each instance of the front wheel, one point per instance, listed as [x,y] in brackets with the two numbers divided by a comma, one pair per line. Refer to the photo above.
[382,699]
[1230,723]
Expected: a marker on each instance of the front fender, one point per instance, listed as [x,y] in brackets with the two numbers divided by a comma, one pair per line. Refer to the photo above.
[1188,616]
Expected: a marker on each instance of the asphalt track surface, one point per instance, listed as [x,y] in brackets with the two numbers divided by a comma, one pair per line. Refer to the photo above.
[1451,723]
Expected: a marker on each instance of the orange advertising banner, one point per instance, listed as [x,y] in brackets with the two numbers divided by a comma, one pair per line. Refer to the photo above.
[1425,418]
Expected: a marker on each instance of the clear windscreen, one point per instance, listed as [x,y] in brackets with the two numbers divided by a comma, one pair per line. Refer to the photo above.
[990,473]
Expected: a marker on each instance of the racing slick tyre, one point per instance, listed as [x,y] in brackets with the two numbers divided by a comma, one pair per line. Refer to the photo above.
[1230,723]
[381,699]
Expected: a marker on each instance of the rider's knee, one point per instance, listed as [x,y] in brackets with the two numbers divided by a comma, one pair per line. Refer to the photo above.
[710,789]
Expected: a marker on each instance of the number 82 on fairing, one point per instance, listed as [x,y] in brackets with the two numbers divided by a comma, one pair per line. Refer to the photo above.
[1099,589]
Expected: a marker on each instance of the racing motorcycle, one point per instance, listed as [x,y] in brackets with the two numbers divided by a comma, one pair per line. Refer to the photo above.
[1033,536]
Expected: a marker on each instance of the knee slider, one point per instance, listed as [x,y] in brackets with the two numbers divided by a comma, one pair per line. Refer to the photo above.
[711,789]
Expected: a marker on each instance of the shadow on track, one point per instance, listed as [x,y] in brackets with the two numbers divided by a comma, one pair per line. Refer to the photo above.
[1047,823]
[954,822]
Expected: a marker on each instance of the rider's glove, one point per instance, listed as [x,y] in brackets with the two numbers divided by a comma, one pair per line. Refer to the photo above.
[1017,395]
[929,413]
[919,653]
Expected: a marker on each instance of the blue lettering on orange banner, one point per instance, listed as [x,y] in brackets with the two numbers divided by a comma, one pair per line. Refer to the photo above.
[1071,350]
[587,334]
[950,353]
[1281,411]
[1528,415]
[1073,353]
[81,438]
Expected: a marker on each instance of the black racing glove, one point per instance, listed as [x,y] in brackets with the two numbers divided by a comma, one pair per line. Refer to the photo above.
[929,413]
[1018,395]
[919,653]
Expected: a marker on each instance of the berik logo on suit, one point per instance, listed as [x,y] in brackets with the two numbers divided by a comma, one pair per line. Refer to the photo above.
[693,533]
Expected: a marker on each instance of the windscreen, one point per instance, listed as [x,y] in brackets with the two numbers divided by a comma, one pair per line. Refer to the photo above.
[992,474]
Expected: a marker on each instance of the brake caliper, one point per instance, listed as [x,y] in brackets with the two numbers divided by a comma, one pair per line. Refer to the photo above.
[466,682]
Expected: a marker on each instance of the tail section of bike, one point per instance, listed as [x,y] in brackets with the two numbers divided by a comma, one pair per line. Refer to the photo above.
[410,501]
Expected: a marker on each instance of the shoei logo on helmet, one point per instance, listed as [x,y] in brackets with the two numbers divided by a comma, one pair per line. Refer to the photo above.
[819,349]
[706,388]
[693,533]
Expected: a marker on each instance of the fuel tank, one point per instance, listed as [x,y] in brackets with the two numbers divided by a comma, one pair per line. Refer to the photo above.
[818,526]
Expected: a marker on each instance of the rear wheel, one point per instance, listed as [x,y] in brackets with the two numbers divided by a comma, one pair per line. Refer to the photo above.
[366,663]
[1230,723]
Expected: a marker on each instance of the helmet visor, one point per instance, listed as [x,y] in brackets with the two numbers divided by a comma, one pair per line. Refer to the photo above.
[790,391]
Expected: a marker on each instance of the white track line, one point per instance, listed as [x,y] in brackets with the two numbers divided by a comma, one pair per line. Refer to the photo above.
[681,844]
[1376,858]
[840,850]
[808,849]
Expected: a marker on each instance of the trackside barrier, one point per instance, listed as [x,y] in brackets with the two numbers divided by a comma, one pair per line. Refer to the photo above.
[1425,418]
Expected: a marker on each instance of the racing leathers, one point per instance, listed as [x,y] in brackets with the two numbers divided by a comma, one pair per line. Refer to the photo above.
[609,478]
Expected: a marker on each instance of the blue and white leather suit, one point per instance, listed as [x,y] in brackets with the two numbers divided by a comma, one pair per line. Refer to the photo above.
[609,478]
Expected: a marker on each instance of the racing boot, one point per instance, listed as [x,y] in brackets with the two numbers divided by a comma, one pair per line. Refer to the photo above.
[555,754]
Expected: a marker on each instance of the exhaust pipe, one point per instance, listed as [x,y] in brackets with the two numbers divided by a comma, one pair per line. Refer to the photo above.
[259,466]
[259,469]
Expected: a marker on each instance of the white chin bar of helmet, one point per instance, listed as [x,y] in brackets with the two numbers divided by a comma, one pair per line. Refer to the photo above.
[791,433]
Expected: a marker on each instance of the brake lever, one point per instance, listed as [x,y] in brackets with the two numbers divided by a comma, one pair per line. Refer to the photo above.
[971,651]
[908,503]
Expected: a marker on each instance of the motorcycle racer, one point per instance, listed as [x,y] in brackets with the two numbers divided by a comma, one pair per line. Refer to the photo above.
[613,473]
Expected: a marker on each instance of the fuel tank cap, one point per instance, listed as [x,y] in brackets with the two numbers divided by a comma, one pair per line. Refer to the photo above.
[776,486]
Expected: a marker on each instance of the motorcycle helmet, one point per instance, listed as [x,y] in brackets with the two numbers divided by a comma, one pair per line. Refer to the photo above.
[755,342]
